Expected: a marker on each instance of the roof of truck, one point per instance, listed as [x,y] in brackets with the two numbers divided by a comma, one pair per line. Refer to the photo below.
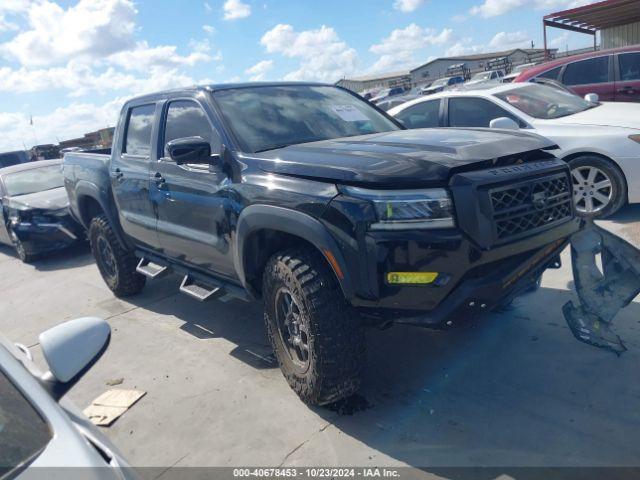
[223,86]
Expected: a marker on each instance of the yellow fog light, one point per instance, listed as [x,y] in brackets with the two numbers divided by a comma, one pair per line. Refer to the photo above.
[411,278]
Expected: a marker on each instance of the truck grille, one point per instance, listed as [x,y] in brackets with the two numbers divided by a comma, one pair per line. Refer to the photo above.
[529,206]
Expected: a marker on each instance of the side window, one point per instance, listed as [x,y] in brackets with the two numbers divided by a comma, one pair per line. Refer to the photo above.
[186,118]
[24,433]
[422,115]
[593,70]
[138,135]
[552,74]
[629,66]
[475,112]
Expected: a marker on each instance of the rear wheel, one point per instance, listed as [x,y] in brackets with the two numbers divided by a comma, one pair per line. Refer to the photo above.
[116,264]
[599,188]
[316,335]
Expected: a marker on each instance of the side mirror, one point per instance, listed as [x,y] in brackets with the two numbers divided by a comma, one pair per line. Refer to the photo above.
[194,150]
[70,349]
[504,123]
[592,97]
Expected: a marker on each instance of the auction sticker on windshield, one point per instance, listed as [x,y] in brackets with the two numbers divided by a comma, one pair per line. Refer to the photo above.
[349,113]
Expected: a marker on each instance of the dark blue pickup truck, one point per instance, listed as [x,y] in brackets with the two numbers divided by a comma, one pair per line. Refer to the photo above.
[326,208]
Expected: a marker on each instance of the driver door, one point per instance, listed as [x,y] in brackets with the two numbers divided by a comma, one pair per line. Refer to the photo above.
[190,200]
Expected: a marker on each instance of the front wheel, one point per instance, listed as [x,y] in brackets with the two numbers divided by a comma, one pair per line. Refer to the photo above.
[117,265]
[315,334]
[599,188]
[19,248]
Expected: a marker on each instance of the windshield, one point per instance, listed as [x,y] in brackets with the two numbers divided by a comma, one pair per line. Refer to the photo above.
[441,81]
[265,118]
[34,180]
[540,101]
[482,76]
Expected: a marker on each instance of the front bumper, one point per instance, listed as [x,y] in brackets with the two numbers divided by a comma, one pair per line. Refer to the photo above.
[471,280]
[42,237]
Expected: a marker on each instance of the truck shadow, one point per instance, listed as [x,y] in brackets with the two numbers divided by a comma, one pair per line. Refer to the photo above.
[513,388]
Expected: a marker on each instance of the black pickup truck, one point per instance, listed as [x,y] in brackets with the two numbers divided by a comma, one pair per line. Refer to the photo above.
[326,208]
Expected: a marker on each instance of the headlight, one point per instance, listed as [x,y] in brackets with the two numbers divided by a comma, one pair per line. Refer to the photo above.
[408,209]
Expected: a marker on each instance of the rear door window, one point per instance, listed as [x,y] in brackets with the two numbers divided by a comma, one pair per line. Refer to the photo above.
[422,115]
[586,72]
[629,66]
[139,126]
[552,74]
[23,432]
[475,112]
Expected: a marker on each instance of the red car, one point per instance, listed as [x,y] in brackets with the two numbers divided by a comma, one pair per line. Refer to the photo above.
[613,74]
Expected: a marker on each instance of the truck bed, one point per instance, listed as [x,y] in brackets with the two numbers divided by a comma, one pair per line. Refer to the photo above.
[83,172]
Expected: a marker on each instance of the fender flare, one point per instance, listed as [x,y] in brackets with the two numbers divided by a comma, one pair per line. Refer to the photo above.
[85,190]
[259,217]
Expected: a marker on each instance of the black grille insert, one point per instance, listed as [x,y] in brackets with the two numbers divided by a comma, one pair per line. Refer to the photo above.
[529,206]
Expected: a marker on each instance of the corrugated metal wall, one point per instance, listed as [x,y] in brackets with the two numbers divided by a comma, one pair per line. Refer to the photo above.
[621,36]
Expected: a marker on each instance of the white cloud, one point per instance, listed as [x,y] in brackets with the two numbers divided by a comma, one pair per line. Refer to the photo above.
[507,40]
[143,57]
[259,70]
[234,9]
[407,6]
[67,122]
[92,29]
[207,7]
[323,55]
[209,29]
[494,8]
[398,50]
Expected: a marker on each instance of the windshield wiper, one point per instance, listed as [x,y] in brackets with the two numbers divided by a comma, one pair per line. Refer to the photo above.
[276,147]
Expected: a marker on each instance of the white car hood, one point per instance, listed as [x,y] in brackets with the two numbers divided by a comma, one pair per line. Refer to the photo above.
[607,114]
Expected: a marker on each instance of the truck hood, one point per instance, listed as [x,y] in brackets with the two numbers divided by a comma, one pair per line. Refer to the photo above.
[54,199]
[403,158]
[607,114]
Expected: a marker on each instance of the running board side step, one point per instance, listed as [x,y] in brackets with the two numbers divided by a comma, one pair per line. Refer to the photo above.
[199,291]
[151,270]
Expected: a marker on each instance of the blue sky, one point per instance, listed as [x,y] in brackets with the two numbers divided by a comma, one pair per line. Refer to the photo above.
[70,64]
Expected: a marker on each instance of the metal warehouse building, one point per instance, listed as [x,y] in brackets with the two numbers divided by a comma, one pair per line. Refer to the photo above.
[385,80]
[437,68]
[618,22]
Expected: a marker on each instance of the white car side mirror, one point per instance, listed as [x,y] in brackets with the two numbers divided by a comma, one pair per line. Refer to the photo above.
[504,123]
[592,97]
[70,349]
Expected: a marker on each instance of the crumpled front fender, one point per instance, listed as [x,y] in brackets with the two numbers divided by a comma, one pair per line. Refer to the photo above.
[606,271]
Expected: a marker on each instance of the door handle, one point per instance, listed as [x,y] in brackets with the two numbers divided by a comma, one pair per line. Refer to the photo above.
[626,90]
[159,179]
[118,174]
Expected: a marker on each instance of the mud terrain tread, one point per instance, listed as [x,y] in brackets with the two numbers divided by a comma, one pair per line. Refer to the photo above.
[336,335]
[127,281]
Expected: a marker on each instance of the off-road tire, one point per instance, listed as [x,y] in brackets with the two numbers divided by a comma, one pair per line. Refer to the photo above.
[122,278]
[618,183]
[19,248]
[335,335]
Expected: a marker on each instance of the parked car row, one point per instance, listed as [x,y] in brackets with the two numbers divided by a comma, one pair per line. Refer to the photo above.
[599,140]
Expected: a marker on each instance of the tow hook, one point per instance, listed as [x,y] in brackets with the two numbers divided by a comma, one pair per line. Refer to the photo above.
[602,293]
